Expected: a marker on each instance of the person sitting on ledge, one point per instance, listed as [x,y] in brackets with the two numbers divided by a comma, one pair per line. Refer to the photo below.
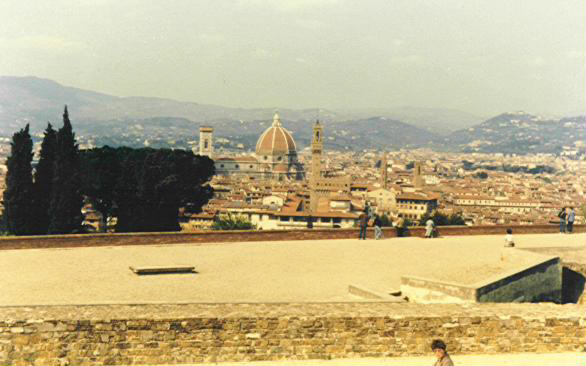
[509,242]
[439,348]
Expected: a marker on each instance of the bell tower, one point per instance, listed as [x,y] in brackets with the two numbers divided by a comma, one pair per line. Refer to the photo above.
[316,151]
[206,146]
[383,167]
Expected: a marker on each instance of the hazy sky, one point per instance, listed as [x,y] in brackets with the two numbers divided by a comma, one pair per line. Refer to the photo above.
[483,57]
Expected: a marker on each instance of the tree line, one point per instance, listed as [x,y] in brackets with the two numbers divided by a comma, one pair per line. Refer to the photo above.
[143,188]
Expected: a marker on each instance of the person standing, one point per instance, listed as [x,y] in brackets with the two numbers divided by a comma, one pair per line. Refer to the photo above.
[378,231]
[439,349]
[429,226]
[571,218]
[562,216]
[401,227]
[363,221]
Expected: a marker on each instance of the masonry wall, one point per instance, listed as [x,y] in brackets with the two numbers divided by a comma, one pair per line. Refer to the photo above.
[83,240]
[539,283]
[169,334]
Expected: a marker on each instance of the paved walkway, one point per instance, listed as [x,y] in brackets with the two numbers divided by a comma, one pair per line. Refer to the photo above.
[285,271]
[526,359]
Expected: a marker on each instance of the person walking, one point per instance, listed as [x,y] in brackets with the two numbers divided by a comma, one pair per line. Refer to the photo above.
[363,221]
[562,215]
[439,349]
[378,231]
[429,226]
[571,218]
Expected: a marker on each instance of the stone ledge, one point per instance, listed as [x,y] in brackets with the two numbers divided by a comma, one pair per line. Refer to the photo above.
[225,237]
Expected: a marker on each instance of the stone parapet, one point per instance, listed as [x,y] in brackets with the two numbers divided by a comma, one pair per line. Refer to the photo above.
[169,334]
[207,237]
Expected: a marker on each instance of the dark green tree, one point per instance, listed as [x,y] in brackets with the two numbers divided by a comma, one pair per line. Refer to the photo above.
[18,197]
[386,221]
[43,184]
[100,170]
[441,219]
[66,199]
[144,188]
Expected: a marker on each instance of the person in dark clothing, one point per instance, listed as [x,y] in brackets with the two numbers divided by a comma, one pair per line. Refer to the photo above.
[378,231]
[309,222]
[562,216]
[363,221]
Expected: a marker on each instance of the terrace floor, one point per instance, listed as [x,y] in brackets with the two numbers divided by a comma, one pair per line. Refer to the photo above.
[284,271]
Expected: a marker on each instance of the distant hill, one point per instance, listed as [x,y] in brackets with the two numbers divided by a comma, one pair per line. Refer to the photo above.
[34,100]
[132,120]
[520,133]
[439,120]
[141,121]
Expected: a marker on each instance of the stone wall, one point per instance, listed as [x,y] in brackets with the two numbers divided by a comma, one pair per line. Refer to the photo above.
[539,283]
[89,240]
[169,334]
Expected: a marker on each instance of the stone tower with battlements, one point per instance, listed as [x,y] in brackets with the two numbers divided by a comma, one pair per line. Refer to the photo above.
[320,185]
[316,151]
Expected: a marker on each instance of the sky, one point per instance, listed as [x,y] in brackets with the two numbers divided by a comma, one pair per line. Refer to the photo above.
[482,57]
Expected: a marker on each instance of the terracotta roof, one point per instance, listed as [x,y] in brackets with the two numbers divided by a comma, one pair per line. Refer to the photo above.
[415,196]
[275,140]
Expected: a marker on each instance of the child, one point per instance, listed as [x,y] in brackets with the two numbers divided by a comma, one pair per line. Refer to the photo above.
[509,242]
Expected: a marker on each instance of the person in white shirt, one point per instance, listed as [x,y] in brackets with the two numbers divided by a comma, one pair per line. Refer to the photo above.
[509,242]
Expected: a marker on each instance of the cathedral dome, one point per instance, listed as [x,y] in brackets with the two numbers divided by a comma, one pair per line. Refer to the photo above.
[275,140]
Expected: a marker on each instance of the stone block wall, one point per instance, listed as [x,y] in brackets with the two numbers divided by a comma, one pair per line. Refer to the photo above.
[169,334]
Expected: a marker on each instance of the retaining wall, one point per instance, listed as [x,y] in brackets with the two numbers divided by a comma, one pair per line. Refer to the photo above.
[89,240]
[169,334]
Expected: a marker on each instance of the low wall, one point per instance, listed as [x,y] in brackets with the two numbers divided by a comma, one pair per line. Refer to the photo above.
[90,240]
[427,291]
[170,334]
[541,281]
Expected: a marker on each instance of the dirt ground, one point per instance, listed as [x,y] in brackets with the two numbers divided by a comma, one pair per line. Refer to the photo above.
[526,359]
[295,271]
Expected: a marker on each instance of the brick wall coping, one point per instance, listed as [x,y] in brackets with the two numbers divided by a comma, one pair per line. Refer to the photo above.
[107,313]
[230,236]
[446,230]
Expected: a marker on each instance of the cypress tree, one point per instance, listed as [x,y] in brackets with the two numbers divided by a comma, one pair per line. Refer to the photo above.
[18,198]
[66,200]
[43,184]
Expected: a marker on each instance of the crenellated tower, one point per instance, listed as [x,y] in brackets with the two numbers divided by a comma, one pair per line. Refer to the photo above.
[316,151]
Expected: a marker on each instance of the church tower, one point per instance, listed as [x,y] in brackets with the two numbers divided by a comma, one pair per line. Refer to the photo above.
[316,151]
[417,178]
[383,166]
[206,146]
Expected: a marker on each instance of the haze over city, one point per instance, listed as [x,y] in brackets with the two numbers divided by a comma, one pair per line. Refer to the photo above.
[480,57]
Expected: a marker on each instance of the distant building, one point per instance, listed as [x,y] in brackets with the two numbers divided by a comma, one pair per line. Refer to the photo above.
[275,157]
[414,205]
[206,142]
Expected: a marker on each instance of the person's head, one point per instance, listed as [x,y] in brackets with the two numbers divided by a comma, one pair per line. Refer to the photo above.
[572,208]
[509,231]
[439,348]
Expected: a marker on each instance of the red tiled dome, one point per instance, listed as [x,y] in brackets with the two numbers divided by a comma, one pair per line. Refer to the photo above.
[275,140]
